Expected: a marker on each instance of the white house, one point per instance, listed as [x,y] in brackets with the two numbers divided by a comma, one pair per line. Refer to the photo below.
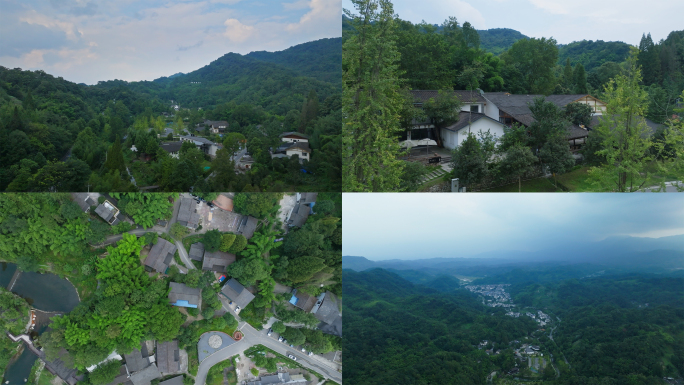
[294,143]
[203,144]
[474,123]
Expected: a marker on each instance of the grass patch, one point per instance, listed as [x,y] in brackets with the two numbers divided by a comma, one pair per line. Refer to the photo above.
[532,185]
[215,374]
[189,240]
[427,185]
[193,359]
[576,180]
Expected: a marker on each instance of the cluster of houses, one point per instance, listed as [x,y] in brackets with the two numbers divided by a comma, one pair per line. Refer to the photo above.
[141,368]
[528,350]
[492,111]
[500,298]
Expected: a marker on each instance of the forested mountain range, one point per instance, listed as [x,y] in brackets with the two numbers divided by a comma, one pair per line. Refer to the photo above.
[611,329]
[55,135]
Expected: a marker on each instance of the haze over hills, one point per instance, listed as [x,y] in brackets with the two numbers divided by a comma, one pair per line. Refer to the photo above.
[614,254]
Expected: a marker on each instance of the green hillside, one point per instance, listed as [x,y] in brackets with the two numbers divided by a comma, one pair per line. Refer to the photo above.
[591,54]
[320,59]
[498,40]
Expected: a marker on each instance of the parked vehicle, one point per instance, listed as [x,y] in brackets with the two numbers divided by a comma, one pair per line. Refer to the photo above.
[222,278]
[270,331]
[280,339]
[310,354]
[292,357]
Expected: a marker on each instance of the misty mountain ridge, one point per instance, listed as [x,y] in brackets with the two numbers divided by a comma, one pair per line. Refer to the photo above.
[665,253]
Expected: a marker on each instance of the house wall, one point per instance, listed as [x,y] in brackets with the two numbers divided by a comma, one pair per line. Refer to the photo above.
[299,152]
[454,139]
[466,107]
[491,110]
[294,140]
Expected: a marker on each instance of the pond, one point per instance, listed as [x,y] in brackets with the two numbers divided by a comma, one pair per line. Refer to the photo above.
[21,368]
[46,292]
[6,272]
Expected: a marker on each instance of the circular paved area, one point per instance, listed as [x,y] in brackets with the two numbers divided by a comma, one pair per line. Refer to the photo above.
[212,342]
[215,341]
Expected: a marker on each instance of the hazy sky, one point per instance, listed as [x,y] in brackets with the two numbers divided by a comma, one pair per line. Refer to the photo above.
[91,40]
[566,21]
[413,226]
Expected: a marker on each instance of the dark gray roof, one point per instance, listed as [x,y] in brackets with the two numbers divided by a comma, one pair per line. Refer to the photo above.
[83,200]
[171,146]
[328,311]
[564,100]
[217,261]
[510,103]
[293,133]
[160,255]
[247,226]
[293,145]
[196,251]
[60,369]
[138,359]
[198,139]
[237,293]
[300,213]
[422,96]
[187,213]
[307,198]
[653,126]
[305,301]
[104,212]
[122,377]
[178,380]
[465,117]
[181,292]
[168,358]
[576,132]
[145,376]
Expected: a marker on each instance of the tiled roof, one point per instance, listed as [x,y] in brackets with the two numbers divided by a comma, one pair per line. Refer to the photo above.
[181,292]
[328,311]
[217,261]
[196,251]
[171,146]
[168,358]
[160,255]
[247,226]
[237,293]
[467,117]
[137,360]
[145,376]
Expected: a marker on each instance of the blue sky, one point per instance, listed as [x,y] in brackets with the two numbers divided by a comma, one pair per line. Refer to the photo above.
[92,40]
[414,226]
[566,21]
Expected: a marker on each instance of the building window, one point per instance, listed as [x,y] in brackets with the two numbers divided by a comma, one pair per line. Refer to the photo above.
[475,108]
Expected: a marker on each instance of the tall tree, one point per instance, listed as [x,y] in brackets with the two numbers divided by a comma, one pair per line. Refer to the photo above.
[556,155]
[568,79]
[518,161]
[580,79]
[649,60]
[468,162]
[371,100]
[115,159]
[624,133]
[534,59]
[442,111]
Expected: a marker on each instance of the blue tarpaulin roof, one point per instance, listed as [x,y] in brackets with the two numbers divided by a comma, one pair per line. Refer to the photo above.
[184,303]
[294,300]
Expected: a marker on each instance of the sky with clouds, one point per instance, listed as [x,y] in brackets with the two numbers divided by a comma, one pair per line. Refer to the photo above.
[412,226]
[566,21]
[86,41]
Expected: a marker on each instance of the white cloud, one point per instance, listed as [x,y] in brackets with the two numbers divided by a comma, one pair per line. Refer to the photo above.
[238,32]
[322,13]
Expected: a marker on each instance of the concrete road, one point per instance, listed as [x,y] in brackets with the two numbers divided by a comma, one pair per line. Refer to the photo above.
[669,187]
[255,337]
[217,357]
[184,255]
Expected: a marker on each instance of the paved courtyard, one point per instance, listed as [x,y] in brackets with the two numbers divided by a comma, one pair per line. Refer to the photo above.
[218,219]
[212,342]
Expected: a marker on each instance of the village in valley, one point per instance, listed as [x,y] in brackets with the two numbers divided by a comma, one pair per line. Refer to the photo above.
[529,356]
[241,307]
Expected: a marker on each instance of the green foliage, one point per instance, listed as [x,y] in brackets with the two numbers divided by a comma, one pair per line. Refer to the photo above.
[14,312]
[294,336]
[254,371]
[624,134]
[105,373]
[227,241]
[238,245]
[208,313]
[145,208]
[498,40]
[248,270]
[212,240]
[278,327]
[165,321]
[518,161]
[231,322]
[469,162]
[256,205]
[533,60]
[179,231]
[371,100]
